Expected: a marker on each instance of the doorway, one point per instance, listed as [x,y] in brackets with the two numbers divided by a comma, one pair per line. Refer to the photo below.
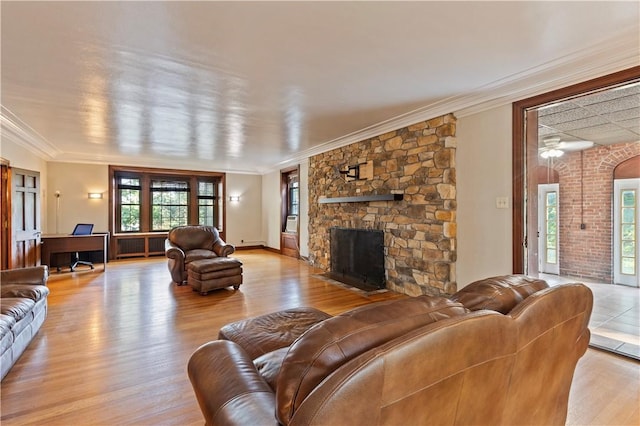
[579,138]
[290,212]
[586,149]
[24,218]
[526,151]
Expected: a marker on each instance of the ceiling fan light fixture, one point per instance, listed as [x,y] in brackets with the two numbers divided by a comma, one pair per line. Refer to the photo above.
[551,153]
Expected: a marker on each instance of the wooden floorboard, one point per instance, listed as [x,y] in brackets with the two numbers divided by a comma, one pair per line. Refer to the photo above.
[115,345]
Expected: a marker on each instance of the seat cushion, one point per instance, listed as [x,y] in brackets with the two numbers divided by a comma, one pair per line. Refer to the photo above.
[198,254]
[500,293]
[16,307]
[263,334]
[335,341]
[268,365]
[30,291]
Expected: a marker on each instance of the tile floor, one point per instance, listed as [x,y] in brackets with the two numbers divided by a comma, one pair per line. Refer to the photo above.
[615,320]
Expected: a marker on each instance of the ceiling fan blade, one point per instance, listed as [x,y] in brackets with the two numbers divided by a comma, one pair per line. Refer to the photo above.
[575,145]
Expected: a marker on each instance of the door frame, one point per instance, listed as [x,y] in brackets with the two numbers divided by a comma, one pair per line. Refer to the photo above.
[524,151]
[5,202]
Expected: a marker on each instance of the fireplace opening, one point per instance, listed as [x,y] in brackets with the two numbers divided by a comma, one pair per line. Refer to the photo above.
[357,257]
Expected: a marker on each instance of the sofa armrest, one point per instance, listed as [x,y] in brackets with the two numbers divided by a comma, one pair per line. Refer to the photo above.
[229,389]
[172,251]
[223,249]
[36,275]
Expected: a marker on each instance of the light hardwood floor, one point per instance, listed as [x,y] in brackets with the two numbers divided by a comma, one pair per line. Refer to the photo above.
[115,345]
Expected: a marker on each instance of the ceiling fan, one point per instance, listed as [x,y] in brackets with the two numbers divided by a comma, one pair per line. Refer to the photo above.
[553,147]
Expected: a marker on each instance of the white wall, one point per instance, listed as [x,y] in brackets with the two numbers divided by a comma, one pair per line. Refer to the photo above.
[244,218]
[304,208]
[271,209]
[75,181]
[484,172]
[22,158]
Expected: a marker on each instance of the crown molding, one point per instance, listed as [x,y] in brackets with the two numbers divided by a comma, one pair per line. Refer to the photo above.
[156,162]
[609,56]
[15,130]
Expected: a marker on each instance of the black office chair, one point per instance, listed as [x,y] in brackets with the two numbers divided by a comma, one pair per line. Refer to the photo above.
[81,229]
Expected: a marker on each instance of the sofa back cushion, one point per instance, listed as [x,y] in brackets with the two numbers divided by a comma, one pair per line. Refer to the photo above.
[29,291]
[335,341]
[192,237]
[483,368]
[499,294]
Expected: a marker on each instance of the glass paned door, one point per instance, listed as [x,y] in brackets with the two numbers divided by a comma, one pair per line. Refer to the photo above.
[548,229]
[626,215]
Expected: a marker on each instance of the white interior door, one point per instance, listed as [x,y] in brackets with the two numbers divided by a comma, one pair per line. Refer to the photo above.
[548,229]
[626,216]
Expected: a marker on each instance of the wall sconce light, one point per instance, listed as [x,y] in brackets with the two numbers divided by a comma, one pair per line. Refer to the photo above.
[95,195]
[234,198]
[351,172]
[362,171]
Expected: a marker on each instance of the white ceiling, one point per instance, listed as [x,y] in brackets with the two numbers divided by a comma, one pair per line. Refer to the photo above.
[254,86]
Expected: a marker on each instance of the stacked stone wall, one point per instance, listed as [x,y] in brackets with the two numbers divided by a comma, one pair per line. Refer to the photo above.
[417,161]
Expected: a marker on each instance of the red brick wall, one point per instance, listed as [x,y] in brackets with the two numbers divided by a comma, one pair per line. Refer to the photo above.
[587,253]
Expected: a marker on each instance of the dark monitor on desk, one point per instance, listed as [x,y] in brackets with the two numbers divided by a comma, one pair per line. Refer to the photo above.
[83,229]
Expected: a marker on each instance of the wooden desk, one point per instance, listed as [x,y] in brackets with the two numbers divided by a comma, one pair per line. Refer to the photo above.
[52,244]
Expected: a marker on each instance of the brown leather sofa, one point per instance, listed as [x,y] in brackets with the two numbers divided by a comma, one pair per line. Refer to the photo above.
[186,244]
[23,309]
[414,361]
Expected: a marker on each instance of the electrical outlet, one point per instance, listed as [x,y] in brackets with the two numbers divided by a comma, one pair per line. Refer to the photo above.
[502,202]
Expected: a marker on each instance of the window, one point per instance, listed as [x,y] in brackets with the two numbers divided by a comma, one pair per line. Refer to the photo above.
[628,232]
[552,227]
[206,202]
[294,193]
[148,200]
[128,204]
[169,204]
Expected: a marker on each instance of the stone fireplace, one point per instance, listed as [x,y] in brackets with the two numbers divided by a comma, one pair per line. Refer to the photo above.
[410,197]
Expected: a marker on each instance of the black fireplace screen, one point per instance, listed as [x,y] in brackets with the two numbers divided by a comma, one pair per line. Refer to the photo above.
[357,257]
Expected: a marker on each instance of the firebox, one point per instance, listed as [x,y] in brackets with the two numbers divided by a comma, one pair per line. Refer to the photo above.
[357,257]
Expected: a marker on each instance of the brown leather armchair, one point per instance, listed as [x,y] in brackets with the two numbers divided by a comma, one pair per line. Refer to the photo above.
[189,243]
[423,360]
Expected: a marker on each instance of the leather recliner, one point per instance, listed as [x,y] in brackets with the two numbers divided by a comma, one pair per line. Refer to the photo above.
[185,244]
[423,360]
